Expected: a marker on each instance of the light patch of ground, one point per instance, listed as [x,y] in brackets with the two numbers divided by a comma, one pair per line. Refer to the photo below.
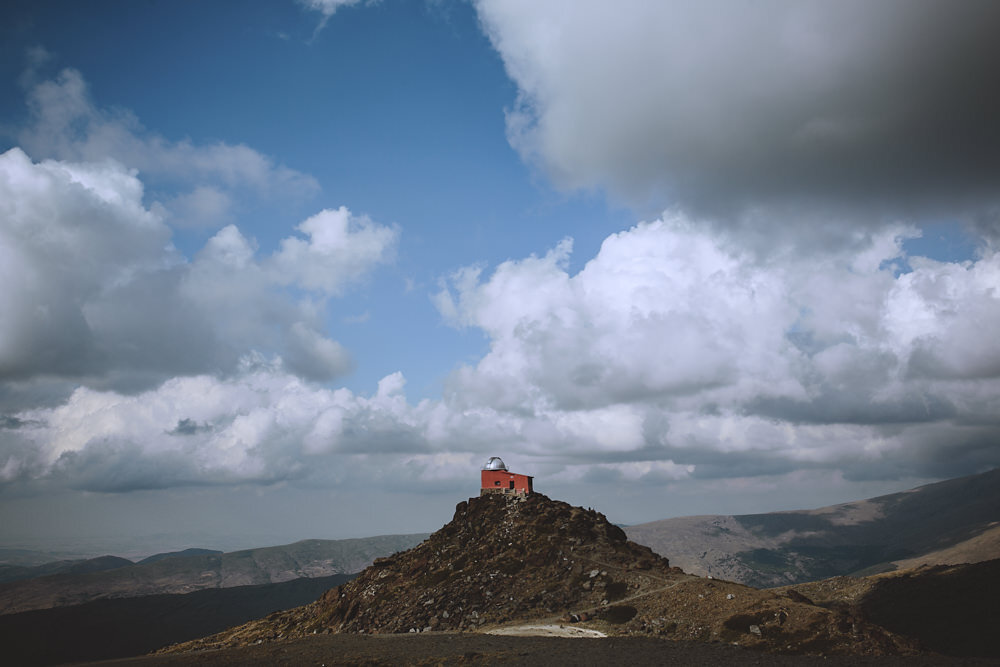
[851,514]
[985,546]
[546,631]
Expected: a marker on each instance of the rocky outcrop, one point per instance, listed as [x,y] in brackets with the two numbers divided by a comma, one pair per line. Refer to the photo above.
[500,558]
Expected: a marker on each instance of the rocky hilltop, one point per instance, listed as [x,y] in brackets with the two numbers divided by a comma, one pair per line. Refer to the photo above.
[503,562]
[498,560]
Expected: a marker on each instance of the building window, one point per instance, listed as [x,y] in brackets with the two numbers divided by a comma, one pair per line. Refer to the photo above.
[512,484]
[496,483]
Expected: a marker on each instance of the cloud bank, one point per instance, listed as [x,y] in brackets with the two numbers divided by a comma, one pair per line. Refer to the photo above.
[261,425]
[671,346]
[618,371]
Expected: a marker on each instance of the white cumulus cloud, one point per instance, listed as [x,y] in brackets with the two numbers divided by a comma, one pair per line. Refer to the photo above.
[673,344]
[94,291]
[341,247]
[65,124]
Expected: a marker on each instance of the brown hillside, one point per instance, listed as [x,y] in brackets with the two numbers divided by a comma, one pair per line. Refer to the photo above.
[954,521]
[503,561]
[949,609]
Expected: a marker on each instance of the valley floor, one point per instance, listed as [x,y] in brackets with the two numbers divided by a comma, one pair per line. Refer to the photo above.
[441,648]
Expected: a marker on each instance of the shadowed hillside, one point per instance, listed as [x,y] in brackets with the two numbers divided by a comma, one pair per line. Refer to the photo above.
[106,629]
[947,609]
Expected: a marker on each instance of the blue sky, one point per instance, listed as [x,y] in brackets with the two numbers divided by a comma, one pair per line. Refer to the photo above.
[396,110]
[670,258]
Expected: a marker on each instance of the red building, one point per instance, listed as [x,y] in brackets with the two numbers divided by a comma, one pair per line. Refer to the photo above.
[497,479]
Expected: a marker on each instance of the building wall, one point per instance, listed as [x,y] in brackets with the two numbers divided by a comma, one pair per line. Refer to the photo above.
[501,481]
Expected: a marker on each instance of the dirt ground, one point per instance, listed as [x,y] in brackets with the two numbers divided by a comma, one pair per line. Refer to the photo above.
[441,648]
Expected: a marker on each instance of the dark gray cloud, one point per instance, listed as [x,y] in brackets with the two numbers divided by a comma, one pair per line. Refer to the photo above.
[118,466]
[13,423]
[854,407]
[809,111]
[189,427]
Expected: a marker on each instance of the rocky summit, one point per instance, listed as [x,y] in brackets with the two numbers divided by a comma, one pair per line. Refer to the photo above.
[504,561]
[501,558]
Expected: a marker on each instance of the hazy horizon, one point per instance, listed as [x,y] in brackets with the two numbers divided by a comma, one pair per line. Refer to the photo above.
[136,544]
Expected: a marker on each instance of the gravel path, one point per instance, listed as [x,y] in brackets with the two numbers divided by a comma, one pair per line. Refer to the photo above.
[546,630]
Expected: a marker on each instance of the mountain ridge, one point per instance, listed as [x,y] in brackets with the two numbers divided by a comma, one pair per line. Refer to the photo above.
[954,520]
[10,573]
[184,553]
[185,574]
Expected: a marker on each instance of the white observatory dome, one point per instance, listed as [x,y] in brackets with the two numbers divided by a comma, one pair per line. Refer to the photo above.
[495,463]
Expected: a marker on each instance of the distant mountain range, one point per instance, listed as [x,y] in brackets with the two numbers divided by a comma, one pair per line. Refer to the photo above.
[65,583]
[19,572]
[76,566]
[956,521]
